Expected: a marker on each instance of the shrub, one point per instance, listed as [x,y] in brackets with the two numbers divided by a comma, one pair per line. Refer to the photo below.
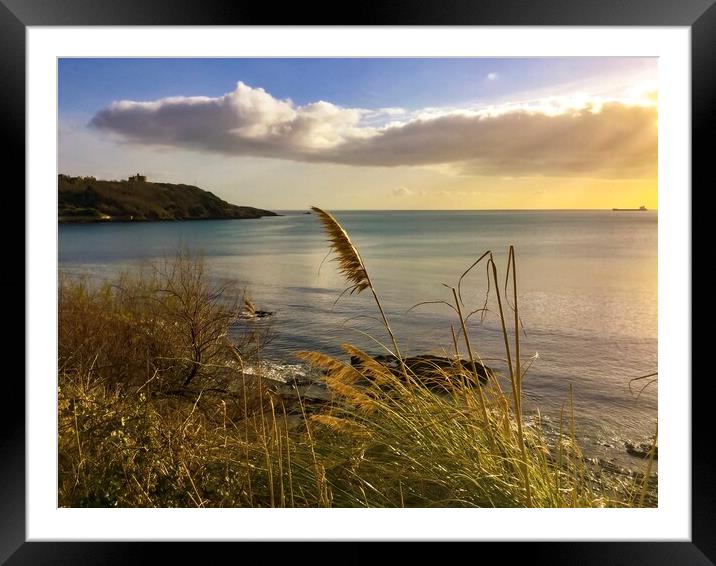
[166,329]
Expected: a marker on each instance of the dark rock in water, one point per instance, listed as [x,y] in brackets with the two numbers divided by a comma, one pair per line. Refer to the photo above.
[433,371]
[255,314]
[641,450]
[251,312]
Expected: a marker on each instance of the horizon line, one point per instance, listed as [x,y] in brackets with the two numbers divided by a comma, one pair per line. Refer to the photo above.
[467,209]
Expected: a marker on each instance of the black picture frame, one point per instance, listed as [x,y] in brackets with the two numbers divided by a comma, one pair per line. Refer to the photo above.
[16,15]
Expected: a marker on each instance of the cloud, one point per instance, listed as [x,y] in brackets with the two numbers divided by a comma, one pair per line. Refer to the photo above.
[492,76]
[402,192]
[579,136]
[245,121]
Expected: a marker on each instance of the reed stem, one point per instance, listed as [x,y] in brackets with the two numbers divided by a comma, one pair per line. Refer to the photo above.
[481,396]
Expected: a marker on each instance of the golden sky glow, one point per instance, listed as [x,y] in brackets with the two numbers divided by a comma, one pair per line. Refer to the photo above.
[587,143]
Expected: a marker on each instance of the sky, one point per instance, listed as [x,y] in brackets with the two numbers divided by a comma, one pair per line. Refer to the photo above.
[407,133]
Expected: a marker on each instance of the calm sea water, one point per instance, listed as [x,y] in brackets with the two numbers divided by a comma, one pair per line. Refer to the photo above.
[587,290]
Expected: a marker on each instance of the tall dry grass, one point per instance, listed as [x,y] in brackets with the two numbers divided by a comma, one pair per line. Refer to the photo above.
[156,410]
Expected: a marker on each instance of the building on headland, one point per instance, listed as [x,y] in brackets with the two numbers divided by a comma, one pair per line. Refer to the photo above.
[138,178]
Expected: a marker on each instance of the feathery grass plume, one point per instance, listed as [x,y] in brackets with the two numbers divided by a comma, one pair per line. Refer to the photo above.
[351,394]
[351,265]
[340,378]
[372,368]
[322,361]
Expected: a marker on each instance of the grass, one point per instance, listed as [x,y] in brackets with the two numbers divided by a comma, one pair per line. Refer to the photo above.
[156,410]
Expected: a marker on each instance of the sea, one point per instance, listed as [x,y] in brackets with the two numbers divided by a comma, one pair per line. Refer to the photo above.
[586,281]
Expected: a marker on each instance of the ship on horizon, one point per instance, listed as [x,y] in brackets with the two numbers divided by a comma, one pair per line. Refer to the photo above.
[641,208]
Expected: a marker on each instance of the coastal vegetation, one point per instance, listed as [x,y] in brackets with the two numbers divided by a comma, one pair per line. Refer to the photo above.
[86,199]
[163,403]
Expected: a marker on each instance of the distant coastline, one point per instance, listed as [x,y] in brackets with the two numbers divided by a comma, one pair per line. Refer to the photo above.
[90,200]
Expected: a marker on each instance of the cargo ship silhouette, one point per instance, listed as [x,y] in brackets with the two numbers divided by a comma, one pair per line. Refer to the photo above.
[641,208]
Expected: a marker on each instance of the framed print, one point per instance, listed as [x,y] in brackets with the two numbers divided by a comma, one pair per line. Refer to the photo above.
[520,179]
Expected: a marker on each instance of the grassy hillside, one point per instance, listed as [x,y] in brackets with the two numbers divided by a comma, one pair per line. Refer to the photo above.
[86,199]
